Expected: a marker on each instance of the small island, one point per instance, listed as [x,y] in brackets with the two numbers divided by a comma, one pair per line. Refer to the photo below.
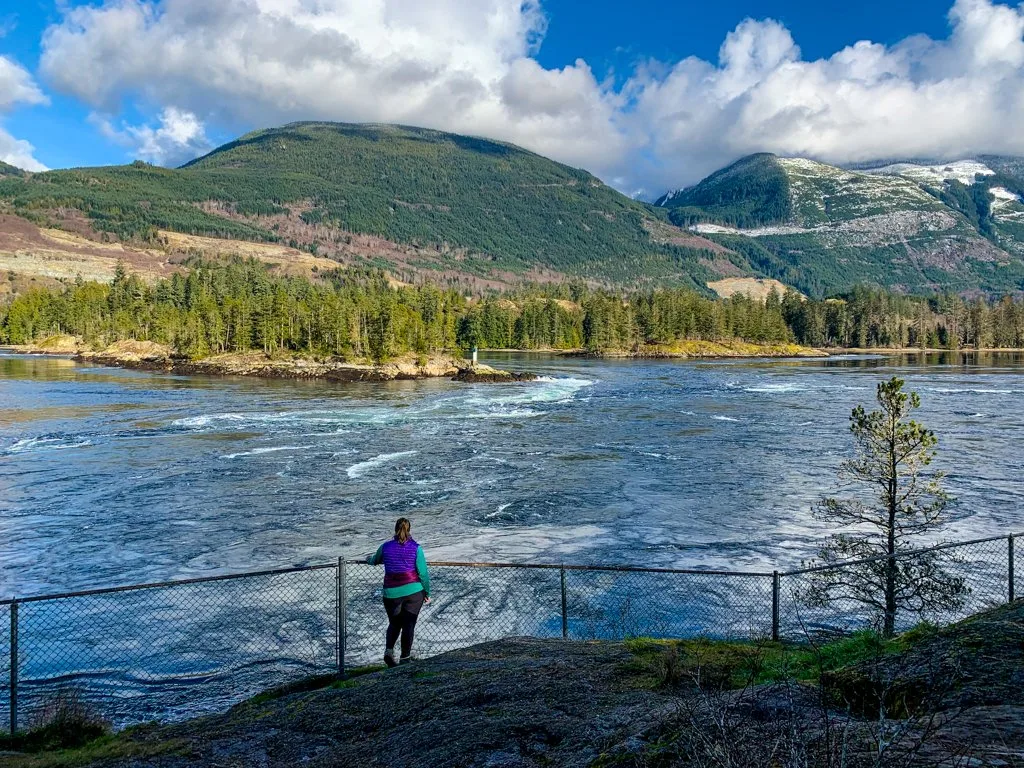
[151,356]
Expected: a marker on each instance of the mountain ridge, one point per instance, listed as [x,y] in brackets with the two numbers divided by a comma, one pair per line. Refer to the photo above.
[428,205]
[451,204]
[956,225]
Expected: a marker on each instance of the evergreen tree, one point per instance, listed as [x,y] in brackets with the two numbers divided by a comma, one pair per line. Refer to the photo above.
[900,502]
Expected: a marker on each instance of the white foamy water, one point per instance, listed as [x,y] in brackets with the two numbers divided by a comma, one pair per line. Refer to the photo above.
[775,388]
[36,444]
[256,420]
[545,389]
[208,476]
[261,451]
[974,391]
[360,469]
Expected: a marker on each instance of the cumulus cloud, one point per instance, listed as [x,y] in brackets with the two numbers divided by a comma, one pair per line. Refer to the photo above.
[17,87]
[461,65]
[919,98]
[466,65]
[179,137]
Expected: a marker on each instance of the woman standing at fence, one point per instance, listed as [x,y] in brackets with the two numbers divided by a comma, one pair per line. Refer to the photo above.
[406,588]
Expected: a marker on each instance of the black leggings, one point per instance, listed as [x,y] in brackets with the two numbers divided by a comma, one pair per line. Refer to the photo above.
[402,615]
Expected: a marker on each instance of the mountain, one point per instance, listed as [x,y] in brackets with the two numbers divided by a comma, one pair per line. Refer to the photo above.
[905,226]
[6,169]
[460,210]
[417,202]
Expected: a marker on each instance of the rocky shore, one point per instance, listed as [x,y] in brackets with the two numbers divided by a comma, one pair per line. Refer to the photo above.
[150,356]
[946,697]
[705,350]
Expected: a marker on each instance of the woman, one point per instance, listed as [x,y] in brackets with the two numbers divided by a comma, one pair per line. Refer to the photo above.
[406,588]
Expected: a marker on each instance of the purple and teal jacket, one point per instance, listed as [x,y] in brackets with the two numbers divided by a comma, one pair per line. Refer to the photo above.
[405,568]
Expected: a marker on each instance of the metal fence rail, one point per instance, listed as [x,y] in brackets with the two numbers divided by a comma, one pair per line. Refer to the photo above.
[175,649]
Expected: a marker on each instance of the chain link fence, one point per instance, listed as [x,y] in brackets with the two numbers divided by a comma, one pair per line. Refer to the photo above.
[167,651]
[614,603]
[5,665]
[959,579]
[173,650]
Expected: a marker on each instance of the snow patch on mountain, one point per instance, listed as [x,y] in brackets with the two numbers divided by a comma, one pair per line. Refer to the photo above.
[869,231]
[1002,193]
[1006,204]
[964,171]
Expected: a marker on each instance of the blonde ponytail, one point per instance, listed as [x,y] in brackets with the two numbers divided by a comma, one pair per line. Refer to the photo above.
[402,528]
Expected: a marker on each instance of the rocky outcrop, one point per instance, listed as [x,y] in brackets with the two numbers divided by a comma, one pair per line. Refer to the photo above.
[484,374]
[527,703]
[707,350]
[148,355]
[976,663]
[59,344]
[131,354]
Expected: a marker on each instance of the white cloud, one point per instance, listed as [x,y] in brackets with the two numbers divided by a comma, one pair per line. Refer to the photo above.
[921,97]
[17,87]
[180,137]
[466,65]
[18,152]
[459,65]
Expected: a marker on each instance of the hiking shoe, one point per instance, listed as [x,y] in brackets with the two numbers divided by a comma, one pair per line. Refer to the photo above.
[406,660]
[389,659]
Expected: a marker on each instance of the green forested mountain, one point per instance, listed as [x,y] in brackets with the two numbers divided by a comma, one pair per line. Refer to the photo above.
[429,206]
[471,204]
[6,169]
[910,227]
[752,191]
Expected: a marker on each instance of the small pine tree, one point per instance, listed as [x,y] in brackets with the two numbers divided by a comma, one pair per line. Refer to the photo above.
[900,502]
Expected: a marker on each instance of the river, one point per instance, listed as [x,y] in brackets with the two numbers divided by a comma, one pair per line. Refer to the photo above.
[110,476]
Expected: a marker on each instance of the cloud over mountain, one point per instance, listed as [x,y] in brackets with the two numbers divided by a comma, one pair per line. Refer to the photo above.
[17,87]
[179,138]
[467,66]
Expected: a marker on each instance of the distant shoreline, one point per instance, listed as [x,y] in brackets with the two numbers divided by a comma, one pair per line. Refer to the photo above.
[917,350]
[682,350]
[149,356]
[803,352]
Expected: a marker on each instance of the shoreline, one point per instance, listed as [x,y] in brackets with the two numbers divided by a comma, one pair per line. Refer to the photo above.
[684,350]
[919,350]
[149,356]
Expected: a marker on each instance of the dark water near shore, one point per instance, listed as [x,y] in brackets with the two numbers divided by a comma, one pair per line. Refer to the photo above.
[110,476]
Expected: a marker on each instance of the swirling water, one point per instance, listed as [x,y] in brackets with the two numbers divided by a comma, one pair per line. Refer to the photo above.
[111,477]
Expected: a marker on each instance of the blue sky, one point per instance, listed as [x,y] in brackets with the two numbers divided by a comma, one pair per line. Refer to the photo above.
[636,92]
[612,34]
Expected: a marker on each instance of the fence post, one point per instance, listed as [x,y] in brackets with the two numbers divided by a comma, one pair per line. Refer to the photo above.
[1009,561]
[565,611]
[775,606]
[341,616]
[14,667]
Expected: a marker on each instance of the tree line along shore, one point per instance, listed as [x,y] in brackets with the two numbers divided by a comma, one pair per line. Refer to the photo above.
[242,308]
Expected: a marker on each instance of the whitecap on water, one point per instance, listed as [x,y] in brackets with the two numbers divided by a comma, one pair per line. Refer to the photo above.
[511,413]
[724,418]
[360,469]
[501,508]
[777,388]
[47,443]
[544,389]
[261,451]
[973,391]
[300,418]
